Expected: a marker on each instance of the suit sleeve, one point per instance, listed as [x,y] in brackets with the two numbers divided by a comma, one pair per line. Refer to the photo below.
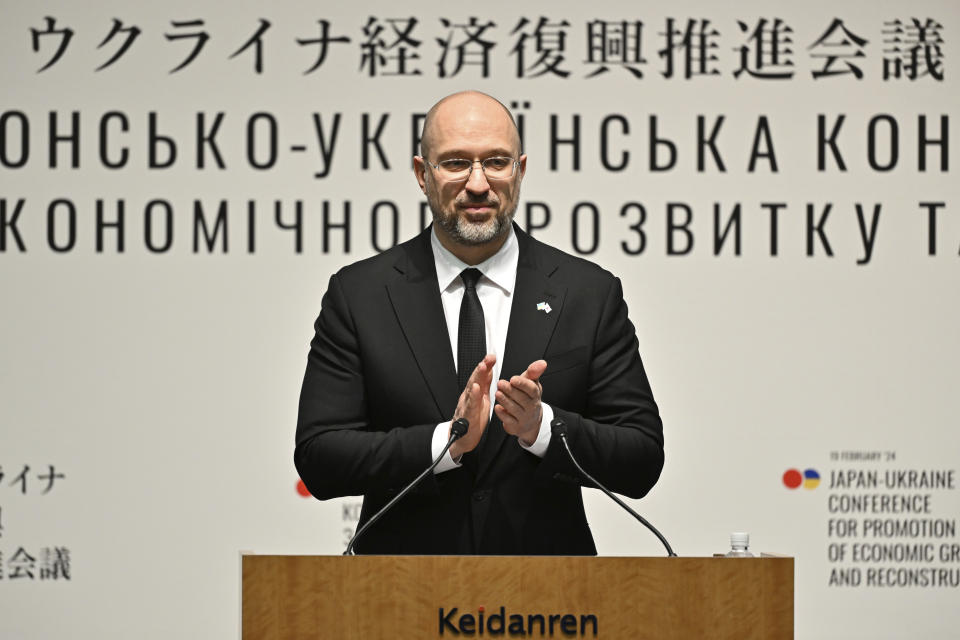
[338,452]
[618,435]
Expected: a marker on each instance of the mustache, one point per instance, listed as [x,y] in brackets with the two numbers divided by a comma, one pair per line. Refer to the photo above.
[481,202]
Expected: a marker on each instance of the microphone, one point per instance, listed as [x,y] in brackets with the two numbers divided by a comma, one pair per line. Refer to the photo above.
[457,430]
[559,429]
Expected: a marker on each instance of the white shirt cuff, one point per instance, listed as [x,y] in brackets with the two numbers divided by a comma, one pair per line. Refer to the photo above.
[539,446]
[440,436]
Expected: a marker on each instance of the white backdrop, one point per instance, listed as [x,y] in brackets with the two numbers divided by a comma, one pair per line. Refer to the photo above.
[148,396]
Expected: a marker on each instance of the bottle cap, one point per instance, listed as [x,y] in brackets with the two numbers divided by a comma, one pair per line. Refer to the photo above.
[740,539]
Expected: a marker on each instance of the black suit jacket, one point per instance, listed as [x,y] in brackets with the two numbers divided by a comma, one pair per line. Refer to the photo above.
[380,376]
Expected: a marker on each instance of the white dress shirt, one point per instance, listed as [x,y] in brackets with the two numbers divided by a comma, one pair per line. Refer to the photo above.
[495,290]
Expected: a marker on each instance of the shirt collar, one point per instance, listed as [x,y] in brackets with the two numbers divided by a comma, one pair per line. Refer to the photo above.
[499,269]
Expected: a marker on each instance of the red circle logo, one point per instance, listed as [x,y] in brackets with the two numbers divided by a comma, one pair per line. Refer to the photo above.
[302,489]
[792,478]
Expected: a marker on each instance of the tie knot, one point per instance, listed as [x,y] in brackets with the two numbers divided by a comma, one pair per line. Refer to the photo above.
[470,277]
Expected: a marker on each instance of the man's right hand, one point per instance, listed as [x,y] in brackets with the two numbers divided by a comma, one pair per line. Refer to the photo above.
[474,406]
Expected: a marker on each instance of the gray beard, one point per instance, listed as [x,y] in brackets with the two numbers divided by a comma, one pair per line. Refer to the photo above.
[469,234]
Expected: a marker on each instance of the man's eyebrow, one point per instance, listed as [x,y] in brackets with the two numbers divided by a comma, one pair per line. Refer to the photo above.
[460,153]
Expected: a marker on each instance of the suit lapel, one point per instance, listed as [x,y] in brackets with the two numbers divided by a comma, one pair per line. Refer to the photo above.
[529,330]
[416,302]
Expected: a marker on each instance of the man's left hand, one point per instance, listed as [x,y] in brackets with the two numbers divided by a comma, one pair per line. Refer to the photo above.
[518,403]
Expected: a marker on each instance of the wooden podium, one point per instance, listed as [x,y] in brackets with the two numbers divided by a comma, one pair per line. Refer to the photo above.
[414,597]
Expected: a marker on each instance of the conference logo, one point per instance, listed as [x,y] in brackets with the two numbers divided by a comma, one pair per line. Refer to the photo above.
[794,479]
[302,490]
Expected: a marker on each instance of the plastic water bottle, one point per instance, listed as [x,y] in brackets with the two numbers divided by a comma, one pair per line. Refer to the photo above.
[739,542]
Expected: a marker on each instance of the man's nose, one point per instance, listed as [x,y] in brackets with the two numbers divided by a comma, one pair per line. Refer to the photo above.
[477,181]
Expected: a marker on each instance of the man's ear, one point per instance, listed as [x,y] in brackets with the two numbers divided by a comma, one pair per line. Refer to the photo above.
[419,170]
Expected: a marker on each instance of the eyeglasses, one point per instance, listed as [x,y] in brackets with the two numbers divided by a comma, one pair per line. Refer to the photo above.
[459,169]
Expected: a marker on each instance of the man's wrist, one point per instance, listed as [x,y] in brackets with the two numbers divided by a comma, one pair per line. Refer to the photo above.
[539,446]
[530,436]
[441,434]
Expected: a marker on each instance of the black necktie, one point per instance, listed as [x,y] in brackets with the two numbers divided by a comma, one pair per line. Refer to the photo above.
[471,337]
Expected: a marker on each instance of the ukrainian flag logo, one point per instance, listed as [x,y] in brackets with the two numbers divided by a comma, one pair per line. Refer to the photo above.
[809,479]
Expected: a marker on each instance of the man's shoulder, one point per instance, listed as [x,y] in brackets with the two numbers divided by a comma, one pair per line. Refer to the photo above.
[560,264]
[382,266]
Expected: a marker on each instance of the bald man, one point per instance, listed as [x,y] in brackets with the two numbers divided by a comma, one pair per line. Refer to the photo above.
[473,318]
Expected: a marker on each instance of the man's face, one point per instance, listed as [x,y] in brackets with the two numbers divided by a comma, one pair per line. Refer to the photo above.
[478,210]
